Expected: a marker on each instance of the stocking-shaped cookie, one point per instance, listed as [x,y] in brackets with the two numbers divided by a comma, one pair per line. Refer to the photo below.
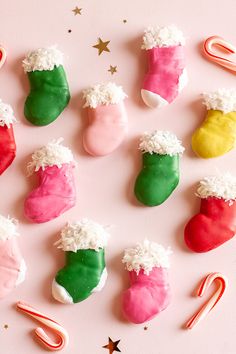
[12,264]
[56,193]
[160,172]
[49,90]
[166,75]
[85,270]
[107,119]
[216,222]
[149,291]
[7,139]
[217,134]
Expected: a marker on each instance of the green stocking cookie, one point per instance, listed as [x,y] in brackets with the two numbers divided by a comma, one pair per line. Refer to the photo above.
[85,270]
[160,173]
[49,91]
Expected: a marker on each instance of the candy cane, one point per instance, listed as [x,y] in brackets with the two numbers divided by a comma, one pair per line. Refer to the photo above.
[195,319]
[3,56]
[221,60]
[40,333]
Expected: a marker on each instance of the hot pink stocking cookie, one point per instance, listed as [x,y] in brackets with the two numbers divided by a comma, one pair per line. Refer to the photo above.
[149,292]
[12,264]
[56,193]
[166,75]
[107,119]
[7,139]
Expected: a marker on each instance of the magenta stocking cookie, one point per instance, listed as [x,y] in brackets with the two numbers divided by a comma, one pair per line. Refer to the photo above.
[166,75]
[55,193]
[149,291]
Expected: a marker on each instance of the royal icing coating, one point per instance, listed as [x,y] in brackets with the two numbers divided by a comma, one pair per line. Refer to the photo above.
[107,128]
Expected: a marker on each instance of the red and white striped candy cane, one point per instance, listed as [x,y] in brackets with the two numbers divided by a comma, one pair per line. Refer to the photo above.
[40,333]
[206,283]
[3,56]
[216,58]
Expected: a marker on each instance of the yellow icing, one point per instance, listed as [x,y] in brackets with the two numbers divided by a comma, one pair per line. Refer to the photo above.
[216,136]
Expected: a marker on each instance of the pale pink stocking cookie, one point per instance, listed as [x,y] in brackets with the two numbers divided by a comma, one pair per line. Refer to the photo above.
[107,119]
[166,75]
[56,193]
[149,291]
[12,264]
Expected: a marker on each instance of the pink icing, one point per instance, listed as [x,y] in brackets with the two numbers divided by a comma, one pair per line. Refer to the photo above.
[10,262]
[56,194]
[107,126]
[147,296]
[166,64]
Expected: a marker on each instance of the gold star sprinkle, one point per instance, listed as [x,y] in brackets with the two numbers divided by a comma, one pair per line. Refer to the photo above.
[112,346]
[102,46]
[113,69]
[6,326]
[77,11]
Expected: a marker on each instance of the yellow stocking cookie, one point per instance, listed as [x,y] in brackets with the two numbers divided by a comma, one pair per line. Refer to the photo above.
[217,134]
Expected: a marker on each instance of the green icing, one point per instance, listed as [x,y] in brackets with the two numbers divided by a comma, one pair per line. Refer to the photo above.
[158,178]
[48,97]
[82,273]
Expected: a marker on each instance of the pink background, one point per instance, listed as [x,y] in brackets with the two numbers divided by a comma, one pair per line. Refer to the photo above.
[105,185]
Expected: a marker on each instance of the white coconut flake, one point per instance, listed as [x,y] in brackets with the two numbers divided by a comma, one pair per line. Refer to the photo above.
[145,256]
[103,94]
[43,59]
[6,115]
[222,99]
[220,186]
[83,235]
[161,143]
[52,154]
[8,228]
[165,36]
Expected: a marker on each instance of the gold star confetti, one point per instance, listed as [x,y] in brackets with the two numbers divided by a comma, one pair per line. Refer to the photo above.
[77,11]
[112,346]
[6,326]
[113,69]
[102,46]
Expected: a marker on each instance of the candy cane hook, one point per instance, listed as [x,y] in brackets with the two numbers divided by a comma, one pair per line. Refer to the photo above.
[3,56]
[40,333]
[206,283]
[213,56]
